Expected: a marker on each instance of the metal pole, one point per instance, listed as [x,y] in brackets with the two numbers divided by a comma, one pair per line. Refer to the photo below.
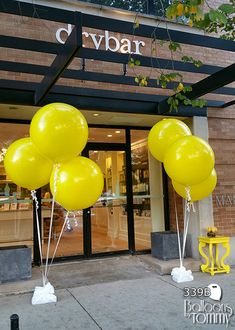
[14,322]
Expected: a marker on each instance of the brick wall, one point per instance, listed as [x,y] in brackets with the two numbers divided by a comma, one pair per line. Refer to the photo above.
[222,139]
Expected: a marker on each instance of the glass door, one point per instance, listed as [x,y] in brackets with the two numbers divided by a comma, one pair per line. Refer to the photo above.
[109,230]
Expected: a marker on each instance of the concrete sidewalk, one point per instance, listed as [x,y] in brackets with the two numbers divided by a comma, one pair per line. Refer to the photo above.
[114,293]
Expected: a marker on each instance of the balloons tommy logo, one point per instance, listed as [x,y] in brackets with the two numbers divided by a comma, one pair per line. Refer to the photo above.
[188,160]
[58,134]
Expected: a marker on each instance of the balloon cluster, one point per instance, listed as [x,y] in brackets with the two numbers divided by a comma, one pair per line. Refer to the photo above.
[188,160]
[58,134]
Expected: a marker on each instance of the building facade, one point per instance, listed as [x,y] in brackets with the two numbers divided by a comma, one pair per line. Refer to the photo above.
[137,197]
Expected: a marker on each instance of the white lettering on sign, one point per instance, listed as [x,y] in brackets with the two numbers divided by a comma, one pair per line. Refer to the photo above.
[225,200]
[111,43]
[58,33]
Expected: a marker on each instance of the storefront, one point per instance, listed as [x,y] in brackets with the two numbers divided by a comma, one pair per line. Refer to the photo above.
[131,205]
[90,71]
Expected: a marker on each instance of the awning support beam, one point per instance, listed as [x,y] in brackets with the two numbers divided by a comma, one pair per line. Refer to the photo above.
[71,47]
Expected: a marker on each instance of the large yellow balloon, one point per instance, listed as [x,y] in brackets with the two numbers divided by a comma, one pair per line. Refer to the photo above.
[189,160]
[25,166]
[79,183]
[59,131]
[197,191]
[163,134]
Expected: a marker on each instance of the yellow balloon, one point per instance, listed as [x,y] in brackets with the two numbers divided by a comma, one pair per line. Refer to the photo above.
[197,191]
[79,183]
[163,134]
[189,160]
[25,166]
[59,131]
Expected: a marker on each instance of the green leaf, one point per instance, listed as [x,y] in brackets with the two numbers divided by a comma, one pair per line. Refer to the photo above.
[226,8]
[163,84]
[137,62]
[187,89]
[180,96]
[187,102]
[222,18]
[186,58]
[137,80]
[217,16]
[173,46]
[169,100]
[212,15]
[197,63]
[171,12]
[195,2]
[137,24]
[203,24]
[198,103]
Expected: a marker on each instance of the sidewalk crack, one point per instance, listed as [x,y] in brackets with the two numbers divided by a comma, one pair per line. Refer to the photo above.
[85,310]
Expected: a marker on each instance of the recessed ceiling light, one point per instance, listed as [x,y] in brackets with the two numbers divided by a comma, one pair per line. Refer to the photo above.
[109,135]
[118,132]
[96,114]
[95,151]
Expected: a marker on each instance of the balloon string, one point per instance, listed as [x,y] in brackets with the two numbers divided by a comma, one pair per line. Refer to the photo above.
[2,154]
[178,232]
[34,197]
[187,189]
[192,206]
[188,198]
[57,244]
[186,223]
[51,219]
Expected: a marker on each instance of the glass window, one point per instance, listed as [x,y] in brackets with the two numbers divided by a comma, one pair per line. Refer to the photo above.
[108,215]
[16,211]
[147,191]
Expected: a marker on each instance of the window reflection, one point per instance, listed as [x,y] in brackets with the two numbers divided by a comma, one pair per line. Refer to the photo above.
[141,189]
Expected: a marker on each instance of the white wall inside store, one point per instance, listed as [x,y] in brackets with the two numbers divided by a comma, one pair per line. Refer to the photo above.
[156,193]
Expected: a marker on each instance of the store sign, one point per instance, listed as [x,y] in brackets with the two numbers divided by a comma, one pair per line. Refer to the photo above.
[225,200]
[111,43]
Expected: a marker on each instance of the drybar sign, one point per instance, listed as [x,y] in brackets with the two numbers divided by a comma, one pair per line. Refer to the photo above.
[111,43]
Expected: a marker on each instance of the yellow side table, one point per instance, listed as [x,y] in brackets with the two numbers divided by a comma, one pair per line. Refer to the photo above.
[213,264]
